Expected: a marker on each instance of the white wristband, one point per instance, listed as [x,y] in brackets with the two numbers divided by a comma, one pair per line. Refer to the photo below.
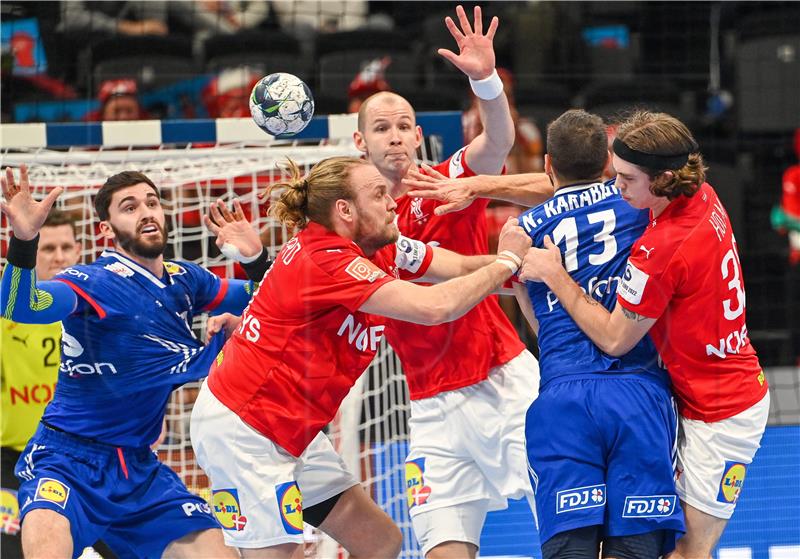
[512,256]
[232,252]
[487,88]
[508,264]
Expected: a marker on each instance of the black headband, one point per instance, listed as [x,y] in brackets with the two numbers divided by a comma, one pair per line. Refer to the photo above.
[651,160]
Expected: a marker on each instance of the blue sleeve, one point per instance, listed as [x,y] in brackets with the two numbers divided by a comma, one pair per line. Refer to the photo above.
[235,298]
[23,299]
[216,296]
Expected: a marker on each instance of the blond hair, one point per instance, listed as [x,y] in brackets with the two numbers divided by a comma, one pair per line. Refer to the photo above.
[662,134]
[312,197]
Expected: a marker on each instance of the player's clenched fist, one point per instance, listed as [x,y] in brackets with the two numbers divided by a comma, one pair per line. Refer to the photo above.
[513,238]
[225,321]
[539,262]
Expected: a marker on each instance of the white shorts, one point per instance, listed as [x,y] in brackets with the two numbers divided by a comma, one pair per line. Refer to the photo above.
[468,445]
[713,458]
[258,489]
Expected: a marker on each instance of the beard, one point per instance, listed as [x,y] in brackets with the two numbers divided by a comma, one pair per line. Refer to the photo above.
[374,237]
[134,244]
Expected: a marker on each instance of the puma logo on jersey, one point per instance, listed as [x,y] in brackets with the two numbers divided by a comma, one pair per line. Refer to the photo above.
[646,250]
[23,341]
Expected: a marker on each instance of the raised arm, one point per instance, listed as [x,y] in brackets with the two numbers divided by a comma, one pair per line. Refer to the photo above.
[21,298]
[528,189]
[615,333]
[237,239]
[488,151]
[430,305]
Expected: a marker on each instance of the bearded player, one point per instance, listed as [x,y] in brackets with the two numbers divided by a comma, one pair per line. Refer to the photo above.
[311,330]
[88,471]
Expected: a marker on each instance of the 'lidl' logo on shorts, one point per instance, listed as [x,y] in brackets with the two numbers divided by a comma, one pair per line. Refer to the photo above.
[9,512]
[731,484]
[290,503]
[416,490]
[225,503]
[53,491]
[646,506]
[581,498]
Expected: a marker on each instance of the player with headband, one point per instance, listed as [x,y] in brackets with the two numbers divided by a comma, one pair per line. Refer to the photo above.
[682,286]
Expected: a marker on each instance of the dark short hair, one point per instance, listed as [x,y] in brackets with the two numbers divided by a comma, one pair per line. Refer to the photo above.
[102,200]
[577,145]
[57,217]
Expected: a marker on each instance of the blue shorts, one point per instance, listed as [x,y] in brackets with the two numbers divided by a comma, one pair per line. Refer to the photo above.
[124,496]
[601,452]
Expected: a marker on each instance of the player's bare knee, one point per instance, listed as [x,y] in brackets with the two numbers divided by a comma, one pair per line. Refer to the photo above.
[46,534]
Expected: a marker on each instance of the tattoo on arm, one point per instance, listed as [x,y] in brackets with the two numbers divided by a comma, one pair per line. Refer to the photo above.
[590,300]
[632,315]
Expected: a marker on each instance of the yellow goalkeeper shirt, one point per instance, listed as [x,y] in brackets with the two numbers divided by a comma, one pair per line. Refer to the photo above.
[29,359]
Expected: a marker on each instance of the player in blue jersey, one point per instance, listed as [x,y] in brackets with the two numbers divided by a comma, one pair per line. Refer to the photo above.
[88,472]
[601,435]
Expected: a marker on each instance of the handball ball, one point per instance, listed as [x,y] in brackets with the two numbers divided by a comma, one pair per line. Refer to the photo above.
[281,104]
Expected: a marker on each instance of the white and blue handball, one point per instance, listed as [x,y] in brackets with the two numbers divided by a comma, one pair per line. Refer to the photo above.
[281,104]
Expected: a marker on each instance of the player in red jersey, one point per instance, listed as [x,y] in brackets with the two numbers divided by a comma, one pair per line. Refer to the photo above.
[682,286]
[311,329]
[473,373]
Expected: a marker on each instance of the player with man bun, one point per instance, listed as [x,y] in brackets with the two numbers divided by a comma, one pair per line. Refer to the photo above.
[312,328]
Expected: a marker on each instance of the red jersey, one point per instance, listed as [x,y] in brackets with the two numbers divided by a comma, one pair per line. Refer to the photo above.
[459,353]
[685,271]
[302,342]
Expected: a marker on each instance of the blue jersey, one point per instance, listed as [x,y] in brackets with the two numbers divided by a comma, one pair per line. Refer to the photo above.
[594,228]
[127,345]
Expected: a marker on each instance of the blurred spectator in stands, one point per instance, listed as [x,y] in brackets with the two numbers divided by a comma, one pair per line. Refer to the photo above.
[125,18]
[786,217]
[786,220]
[119,100]
[298,16]
[232,16]
[228,94]
[370,80]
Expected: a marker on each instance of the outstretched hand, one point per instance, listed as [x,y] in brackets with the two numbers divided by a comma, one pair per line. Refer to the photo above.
[541,262]
[476,51]
[456,194]
[232,229]
[25,214]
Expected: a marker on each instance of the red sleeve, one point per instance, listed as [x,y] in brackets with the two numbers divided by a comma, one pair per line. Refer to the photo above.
[344,278]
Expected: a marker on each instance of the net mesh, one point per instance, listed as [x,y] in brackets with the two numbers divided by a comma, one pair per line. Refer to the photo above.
[370,428]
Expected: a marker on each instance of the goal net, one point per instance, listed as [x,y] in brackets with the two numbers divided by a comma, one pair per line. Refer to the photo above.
[370,429]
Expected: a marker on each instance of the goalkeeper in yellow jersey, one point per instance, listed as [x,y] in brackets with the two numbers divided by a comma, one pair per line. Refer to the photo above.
[29,369]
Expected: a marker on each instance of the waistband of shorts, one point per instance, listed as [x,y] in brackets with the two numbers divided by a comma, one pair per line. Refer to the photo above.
[83,446]
[649,379]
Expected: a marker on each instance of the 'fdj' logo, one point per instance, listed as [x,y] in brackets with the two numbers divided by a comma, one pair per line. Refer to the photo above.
[645,506]
[290,503]
[581,498]
[416,490]
[731,484]
[53,491]
[227,510]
